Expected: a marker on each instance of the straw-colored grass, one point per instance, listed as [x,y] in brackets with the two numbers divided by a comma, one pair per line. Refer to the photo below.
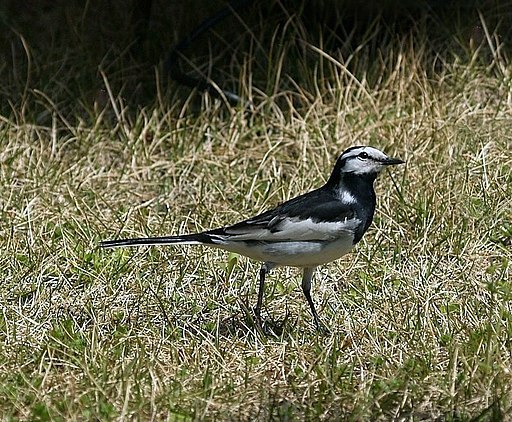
[419,313]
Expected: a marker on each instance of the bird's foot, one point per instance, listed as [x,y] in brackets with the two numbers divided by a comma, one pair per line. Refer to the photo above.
[269,327]
[321,328]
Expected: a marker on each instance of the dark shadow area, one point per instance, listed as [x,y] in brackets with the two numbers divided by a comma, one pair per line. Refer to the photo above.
[75,57]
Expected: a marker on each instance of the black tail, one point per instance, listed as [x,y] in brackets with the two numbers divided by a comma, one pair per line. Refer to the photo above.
[187,239]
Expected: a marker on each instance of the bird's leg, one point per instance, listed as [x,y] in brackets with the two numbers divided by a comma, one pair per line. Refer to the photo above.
[264,270]
[306,288]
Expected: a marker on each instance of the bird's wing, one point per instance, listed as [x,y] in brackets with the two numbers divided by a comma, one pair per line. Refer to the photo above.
[314,216]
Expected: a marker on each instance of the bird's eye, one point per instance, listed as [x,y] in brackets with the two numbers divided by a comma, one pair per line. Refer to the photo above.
[363,155]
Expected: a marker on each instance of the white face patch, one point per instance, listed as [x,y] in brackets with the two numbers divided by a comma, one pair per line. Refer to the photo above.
[356,164]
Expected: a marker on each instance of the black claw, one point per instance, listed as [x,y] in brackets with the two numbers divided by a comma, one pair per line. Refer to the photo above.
[321,328]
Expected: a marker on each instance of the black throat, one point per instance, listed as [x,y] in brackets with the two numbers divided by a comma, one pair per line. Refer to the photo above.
[360,187]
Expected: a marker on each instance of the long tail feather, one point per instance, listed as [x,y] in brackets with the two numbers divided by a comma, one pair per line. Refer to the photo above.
[188,239]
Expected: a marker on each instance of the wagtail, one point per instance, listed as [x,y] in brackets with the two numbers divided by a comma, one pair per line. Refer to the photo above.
[307,231]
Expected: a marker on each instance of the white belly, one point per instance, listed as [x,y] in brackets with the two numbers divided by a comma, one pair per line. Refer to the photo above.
[293,253]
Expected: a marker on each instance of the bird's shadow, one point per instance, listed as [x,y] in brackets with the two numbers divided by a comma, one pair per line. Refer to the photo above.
[243,325]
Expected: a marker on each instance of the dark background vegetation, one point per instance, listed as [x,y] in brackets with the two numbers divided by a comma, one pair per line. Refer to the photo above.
[66,49]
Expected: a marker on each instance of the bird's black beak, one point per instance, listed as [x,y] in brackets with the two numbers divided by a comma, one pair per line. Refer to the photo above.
[392,161]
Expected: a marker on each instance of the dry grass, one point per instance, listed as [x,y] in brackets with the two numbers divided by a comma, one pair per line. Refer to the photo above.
[420,313]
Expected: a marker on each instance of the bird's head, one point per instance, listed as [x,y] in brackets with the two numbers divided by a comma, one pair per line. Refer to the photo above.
[363,160]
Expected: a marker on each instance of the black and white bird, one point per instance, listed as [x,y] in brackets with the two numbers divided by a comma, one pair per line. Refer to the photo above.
[307,231]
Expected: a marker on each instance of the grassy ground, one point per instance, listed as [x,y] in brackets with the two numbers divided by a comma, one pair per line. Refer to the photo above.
[420,313]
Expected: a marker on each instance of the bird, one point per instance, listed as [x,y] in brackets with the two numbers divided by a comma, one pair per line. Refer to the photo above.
[307,231]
